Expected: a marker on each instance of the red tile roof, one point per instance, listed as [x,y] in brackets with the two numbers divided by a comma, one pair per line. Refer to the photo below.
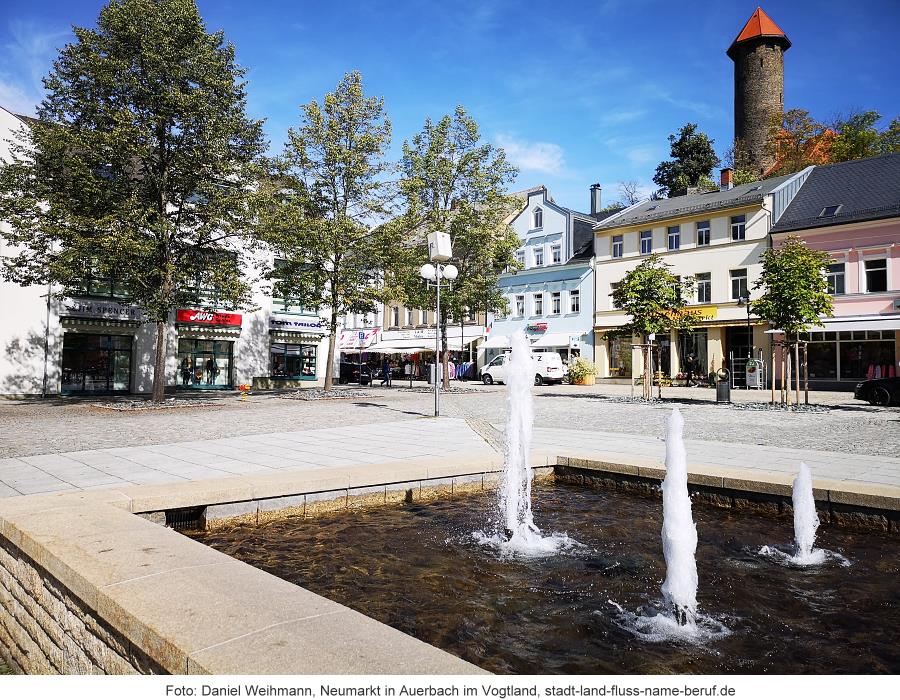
[760,25]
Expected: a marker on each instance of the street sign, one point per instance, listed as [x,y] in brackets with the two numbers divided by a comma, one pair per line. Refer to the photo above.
[362,335]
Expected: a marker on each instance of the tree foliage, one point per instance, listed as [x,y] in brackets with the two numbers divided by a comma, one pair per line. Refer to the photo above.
[139,165]
[858,136]
[795,290]
[630,192]
[653,298]
[325,195]
[693,158]
[453,182]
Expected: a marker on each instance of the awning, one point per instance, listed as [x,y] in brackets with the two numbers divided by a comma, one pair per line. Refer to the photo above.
[497,341]
[872,324]
[552,340]
[399,346]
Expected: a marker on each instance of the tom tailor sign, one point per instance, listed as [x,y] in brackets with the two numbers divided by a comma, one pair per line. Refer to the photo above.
[207,318]
[292,323]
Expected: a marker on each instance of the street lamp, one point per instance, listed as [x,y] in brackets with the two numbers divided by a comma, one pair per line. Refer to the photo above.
[439,251]
[745,301]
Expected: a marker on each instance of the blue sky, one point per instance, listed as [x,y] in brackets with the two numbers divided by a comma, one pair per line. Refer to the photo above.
[577,92]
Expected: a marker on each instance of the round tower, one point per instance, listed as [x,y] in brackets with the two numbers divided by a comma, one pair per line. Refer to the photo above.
[758,55]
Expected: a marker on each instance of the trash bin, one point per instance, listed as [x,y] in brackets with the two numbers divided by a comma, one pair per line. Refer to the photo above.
[723,386]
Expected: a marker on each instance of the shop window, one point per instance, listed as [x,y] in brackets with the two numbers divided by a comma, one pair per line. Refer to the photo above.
[619,355]
[835,278]
[858,356]
[876,275]
[204,364]
[293,361]
[822,360]
[96,364]
[575,301]
[738,227]
[692,357]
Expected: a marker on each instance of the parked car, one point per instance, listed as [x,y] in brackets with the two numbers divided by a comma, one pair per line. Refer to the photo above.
[350,372]
[548,367]
[879,392]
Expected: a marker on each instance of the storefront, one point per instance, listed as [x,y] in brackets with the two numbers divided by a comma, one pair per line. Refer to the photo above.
[851,356]
[205,356]
[294,348]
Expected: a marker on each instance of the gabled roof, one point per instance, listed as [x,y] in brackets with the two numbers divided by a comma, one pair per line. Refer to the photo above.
[694,204]
[865,190]
[759,25]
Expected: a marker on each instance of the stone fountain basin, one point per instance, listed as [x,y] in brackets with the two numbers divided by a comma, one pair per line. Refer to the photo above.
[92,582]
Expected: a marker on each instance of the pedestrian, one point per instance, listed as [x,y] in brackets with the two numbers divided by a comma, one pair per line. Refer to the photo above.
[689,365]
[386,372]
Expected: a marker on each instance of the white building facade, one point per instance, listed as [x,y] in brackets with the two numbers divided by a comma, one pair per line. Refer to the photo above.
[100,343]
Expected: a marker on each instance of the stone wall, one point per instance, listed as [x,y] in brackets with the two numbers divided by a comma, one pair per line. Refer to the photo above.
[758,97]
[45,629]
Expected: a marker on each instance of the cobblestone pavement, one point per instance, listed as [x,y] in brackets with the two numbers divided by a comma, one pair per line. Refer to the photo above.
[33,435]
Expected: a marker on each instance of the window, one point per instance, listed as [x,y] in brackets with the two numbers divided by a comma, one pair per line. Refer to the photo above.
[738,224]
[674,237]
[876,275]
[555,305]
[617,246]
[520,257]
[739,284]
[612,290]
[702,233]
[284,303]
[538,217]
[646,242]
[520,305]
[574,301]
[538,257]
[539,304]
[293,361]
[830,211]
[409,318]
[704,287]
[676,286]
[556,253]
[835,278]
[395,316]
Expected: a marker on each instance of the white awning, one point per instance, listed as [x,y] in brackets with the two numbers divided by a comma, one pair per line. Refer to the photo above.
[552,340]
[398,346]
[497,341]
[857,324]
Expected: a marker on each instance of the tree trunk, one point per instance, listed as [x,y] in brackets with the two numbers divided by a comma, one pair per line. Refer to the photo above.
[332,340]
[159,365]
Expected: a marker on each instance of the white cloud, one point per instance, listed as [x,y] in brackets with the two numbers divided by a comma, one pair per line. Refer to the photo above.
[538,157]
[614,117]
[640,154]
[15,99]
[28,57]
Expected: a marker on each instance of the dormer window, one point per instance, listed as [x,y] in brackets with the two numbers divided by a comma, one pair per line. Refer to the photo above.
[830,210]
[538,217]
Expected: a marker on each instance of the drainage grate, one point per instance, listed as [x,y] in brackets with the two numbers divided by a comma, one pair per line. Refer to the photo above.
[186,518]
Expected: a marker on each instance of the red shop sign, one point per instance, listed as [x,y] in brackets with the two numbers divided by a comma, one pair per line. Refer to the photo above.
[207,318]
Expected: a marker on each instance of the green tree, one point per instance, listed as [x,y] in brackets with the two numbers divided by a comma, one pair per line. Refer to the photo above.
[858,136]
[454,182]
[325,195]
[795,290]
[138,166]
[654,300]
[737,158]
[693,159]
[796,141]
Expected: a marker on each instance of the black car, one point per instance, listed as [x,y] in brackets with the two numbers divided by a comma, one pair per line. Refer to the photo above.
[879,392]
[350,372]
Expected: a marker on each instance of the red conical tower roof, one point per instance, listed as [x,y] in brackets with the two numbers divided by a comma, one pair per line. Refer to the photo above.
[760,25]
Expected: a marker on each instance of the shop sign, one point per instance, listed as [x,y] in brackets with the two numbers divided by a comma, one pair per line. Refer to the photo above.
[536,327]
[350,340]
[207,318]
[293,323]
[110,310]
[698,313]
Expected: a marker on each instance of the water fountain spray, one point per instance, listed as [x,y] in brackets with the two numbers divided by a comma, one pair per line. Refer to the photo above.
[679,534]
[806,520]
[515,492]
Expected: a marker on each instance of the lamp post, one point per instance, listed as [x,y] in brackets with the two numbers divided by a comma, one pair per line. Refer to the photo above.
[439,251]
[745,301]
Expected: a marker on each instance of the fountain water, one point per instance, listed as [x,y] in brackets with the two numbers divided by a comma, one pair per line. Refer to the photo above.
[806,521]
[679,534]
[517,532]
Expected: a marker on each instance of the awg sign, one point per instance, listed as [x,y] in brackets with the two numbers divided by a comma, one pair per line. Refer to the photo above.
[207,318]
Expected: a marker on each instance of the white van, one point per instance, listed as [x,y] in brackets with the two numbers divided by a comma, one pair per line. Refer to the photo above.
[548,367]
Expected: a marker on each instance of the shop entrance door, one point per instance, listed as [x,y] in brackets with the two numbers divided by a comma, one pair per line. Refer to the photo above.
[204,364]
[96,364]
[737,345]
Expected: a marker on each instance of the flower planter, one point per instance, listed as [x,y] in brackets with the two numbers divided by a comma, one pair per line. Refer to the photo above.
[586,381]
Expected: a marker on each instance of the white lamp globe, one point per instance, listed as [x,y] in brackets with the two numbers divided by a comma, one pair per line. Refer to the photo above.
[427,271]
[450,272]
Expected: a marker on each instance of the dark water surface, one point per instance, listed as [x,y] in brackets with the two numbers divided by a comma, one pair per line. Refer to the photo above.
[417,568]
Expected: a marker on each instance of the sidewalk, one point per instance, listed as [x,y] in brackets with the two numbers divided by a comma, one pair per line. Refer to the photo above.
[401,440]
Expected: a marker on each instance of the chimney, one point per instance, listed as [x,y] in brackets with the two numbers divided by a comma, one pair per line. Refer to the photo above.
[726,180]
[595,198]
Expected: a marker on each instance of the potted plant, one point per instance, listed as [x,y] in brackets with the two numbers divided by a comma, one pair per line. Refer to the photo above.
[582,371]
